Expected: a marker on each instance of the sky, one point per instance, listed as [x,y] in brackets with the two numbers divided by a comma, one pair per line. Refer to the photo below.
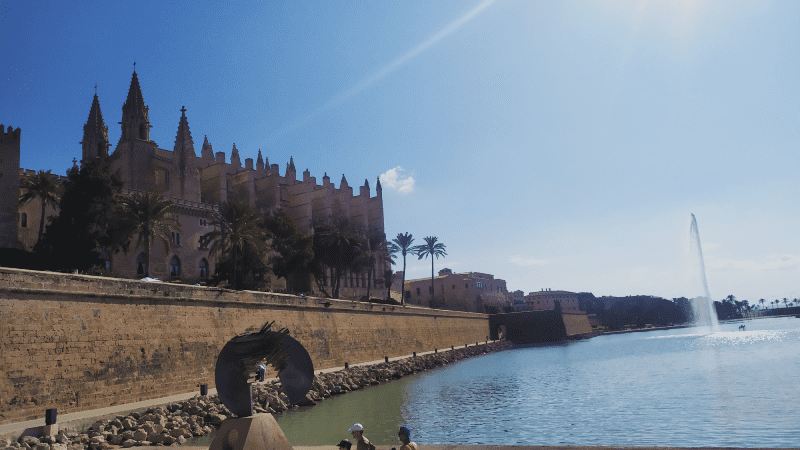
[559,145]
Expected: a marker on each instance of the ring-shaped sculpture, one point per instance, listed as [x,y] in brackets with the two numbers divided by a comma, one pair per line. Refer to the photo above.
[239,357]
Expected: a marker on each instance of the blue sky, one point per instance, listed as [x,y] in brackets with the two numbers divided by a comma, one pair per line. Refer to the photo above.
[555,145]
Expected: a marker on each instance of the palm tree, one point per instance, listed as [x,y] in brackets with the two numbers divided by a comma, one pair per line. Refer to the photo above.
[236,225]
[785,302]
[403,245]
[337,245]
[433,248]
[44,186]
[150,216]
[373,251]
[762,301]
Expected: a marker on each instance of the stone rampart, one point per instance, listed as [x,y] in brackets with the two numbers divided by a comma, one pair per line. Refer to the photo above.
[77,342]
[576,323]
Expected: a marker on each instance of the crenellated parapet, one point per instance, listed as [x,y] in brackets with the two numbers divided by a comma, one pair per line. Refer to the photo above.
[10,135]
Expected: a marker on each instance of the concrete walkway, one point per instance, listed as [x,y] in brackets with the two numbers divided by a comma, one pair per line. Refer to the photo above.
[88,417]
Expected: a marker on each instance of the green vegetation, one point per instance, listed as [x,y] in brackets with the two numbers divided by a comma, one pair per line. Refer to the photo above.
[149,216]
[402,243]
[293,255]
[88,222]
[338,246]
[45,187]
[239,240]
[431,248]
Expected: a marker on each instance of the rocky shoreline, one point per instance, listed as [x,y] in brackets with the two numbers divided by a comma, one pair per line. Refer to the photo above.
[174,423]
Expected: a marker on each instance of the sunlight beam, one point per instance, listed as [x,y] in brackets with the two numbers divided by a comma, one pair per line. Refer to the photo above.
[386,70]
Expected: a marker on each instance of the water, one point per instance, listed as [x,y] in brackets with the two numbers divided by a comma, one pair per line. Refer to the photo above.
[703,307]
[680,387]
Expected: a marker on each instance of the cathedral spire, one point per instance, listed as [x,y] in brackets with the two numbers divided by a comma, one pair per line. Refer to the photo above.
[235,160]
[135,121]
[207,152]
[184,146]
[95,133]
[260,162]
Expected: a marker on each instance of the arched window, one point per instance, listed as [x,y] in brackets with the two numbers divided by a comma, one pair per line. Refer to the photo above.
[203,268]
[141,265]
[24,220]
[174,267]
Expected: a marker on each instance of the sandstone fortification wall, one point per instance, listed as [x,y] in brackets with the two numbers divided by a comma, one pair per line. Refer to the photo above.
[77,342]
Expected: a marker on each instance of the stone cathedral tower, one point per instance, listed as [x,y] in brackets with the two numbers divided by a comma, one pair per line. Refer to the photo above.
[9,186]
[95,134]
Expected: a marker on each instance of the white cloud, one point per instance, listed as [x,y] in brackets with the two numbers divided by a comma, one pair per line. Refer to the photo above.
[521,261]
[395,179]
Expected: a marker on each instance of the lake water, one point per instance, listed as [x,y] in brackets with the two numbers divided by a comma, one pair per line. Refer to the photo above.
[678,387]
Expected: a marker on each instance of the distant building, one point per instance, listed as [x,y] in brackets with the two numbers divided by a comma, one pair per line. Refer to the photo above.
[545,300]
[468,291]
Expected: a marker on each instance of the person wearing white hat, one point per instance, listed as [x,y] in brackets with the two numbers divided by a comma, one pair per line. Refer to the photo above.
[362,443]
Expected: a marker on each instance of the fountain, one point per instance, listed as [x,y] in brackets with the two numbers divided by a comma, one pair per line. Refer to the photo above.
[703,309]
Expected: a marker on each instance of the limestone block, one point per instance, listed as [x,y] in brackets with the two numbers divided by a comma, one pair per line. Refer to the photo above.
[256,432]
[50,430]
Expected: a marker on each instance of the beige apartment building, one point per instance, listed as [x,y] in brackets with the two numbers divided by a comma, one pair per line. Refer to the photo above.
[546,299]
[468,291]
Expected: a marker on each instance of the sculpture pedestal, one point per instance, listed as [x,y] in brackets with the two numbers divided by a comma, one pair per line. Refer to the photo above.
[257,432]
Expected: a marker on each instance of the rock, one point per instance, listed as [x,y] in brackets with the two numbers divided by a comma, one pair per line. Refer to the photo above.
[308,400]
[28,440]
[129,424]
[140,435]
[97,439]
[116,439]
[217,419]
[128,443]
[144,443]
[148,428]
[127,435]
[42,446]
[58,446]
[181,440]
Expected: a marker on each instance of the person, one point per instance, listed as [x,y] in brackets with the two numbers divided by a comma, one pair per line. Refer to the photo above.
[261,369]
[362,443]
[405,437]
[345,444]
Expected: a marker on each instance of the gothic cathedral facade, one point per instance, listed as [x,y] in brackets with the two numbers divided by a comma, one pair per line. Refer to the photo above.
[196,185]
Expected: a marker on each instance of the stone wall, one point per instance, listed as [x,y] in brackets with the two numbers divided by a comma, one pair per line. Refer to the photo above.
[77,342]
[576,323]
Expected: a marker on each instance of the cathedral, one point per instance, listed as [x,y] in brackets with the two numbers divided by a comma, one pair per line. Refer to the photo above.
[196,185]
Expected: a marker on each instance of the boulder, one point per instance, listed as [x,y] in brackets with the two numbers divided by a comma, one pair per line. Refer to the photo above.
[129,423]
[216,419]
[140,435]
[28,440]
[128,443]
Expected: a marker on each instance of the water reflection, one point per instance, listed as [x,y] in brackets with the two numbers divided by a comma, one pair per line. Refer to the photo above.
[665,388]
